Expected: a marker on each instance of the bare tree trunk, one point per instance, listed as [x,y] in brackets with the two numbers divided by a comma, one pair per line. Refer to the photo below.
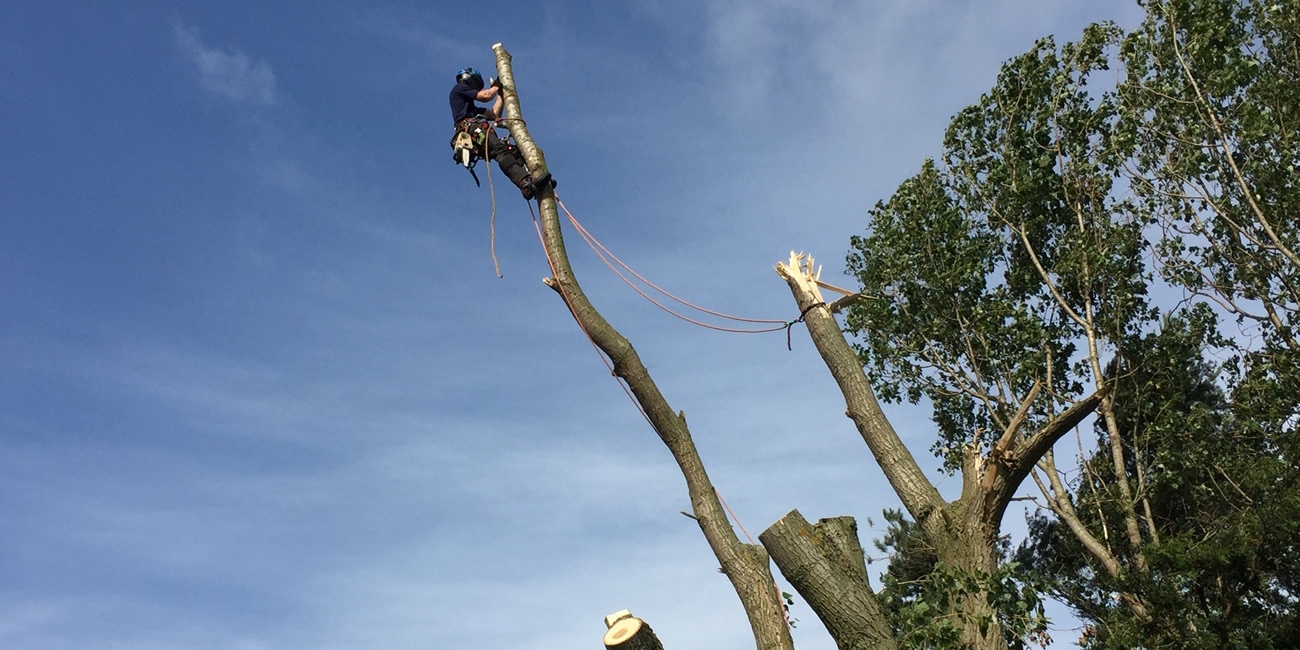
[962,539]
[1127,502]
[919,496]
[746,565]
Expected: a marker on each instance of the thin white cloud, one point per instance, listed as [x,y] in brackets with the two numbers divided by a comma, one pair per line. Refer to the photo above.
[229,75]
[866,59]
[23,617]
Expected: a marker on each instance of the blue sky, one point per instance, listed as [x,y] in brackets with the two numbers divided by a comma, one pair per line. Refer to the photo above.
[262,389]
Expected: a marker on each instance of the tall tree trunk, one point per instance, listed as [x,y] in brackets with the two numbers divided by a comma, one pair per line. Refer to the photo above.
[746,565]
[823,561]
[963,541]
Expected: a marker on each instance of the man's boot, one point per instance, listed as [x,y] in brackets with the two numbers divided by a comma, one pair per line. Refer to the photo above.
[512,164]
[515,170]
[532,186]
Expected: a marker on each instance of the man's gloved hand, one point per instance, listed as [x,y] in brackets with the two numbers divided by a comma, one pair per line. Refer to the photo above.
[496,83]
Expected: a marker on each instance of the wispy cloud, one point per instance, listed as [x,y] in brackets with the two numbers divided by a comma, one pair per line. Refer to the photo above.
[276,147]
[869,58]
[231,75]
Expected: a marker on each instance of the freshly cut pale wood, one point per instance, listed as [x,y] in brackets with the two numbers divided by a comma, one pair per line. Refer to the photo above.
[827,285]
[616,617]
[631,633]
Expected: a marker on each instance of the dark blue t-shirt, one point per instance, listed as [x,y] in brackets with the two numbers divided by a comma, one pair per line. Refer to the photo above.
[462,103]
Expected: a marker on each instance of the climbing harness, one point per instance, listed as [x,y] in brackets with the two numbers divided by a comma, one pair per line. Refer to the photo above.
[469,144]
[475,139]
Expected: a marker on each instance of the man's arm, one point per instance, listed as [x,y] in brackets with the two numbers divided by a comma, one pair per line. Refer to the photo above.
[498,108]
[492,92]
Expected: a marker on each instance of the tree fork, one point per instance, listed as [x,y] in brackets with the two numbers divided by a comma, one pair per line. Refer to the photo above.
[963,540]
[746,565]
[1011,461]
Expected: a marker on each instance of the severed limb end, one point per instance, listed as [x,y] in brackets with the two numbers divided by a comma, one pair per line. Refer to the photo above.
[800,273]
[627,632]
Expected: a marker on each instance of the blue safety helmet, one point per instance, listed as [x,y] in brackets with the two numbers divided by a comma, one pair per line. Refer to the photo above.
[471,78]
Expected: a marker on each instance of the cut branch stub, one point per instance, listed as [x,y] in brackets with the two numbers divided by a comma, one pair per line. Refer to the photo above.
[825,564]
[627,632]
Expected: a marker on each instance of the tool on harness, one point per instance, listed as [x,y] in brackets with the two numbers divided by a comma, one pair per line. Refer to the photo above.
[467,145]
[475,140]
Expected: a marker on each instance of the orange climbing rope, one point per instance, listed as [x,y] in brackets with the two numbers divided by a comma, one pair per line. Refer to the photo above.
[784,610]
[591,241]
[605,255]
[573,312]
[598,248]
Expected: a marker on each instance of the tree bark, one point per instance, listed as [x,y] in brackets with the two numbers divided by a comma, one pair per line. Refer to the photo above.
[920,498]
[962,532]
[746,565]
[825,564]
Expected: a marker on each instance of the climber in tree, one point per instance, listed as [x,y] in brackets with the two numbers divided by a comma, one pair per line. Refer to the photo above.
[475,127]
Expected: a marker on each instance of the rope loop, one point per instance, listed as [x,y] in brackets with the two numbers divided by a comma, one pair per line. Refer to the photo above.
[612,260]
[614,264]
[790,324]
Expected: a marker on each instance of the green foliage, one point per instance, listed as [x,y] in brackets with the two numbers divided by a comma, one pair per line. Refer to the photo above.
[1212,101]
[787,601]
[1028,252]
[1224,494]
[992,264]
[921,594]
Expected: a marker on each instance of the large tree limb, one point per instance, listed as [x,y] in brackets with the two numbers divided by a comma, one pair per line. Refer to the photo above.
[746,565]
[1058,500]
[1009,468]
[918,495]
[825,564]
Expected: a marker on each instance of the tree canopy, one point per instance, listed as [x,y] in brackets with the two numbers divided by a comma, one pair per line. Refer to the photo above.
[1138,239]
[1107,242]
